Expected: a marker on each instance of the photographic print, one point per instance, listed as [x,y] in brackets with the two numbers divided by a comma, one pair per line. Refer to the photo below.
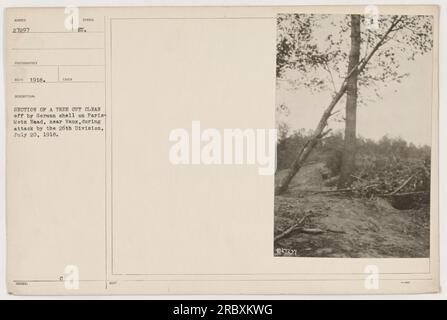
[353,113]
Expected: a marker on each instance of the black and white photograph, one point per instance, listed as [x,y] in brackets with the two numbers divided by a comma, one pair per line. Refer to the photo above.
[242,150]
[353,113]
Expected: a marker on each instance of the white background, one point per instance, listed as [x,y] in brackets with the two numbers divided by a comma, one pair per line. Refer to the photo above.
[442,136]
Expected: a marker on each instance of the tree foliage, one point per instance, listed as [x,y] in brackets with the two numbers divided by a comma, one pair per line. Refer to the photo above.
[311,55]
[381,166]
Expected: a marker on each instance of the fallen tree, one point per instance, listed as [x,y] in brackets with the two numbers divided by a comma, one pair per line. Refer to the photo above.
[319,131]
[292,228]
[299,227]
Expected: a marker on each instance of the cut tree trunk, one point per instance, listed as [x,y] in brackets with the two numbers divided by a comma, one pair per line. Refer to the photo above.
[305,151]
[349,149]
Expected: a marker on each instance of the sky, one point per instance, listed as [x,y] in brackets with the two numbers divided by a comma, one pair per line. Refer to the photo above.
[404,110]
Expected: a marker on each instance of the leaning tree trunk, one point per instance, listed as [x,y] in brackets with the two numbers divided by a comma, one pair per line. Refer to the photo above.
[349,149]
[305,151]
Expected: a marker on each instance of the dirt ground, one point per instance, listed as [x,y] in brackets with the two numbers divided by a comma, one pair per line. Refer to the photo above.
[353,227]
